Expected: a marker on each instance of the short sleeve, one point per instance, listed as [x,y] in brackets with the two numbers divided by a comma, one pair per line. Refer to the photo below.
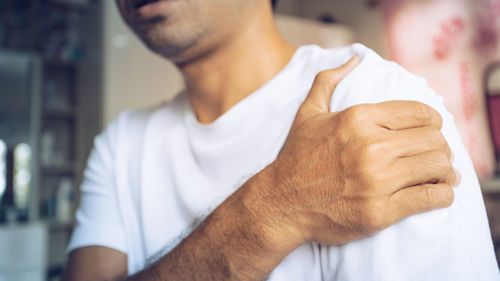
[98,220]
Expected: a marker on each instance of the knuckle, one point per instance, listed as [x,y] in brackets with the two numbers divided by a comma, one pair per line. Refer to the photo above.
[438,137]
[425,111]
[444,144]
[431,114]
[437,197]
[451,176]
[367,173]
[365,178]
[437,159]
[448,196]
[323,77]
[436,117]
[374,148]
[428,196]
[369,150]
[422,110]
[425,198]
[354,116]
[357,111]
[442,160]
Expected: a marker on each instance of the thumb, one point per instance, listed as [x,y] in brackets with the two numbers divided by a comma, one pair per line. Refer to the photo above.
[320,95]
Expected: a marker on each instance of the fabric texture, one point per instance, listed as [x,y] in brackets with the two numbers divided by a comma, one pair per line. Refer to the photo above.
[153,173]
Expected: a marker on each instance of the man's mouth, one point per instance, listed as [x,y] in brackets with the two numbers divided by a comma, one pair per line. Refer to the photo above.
[141,3]
[150,9]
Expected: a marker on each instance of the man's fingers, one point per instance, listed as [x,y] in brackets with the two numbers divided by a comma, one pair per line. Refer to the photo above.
[428,167]
[419,199]
[413,141]
[318,99]
[405,115]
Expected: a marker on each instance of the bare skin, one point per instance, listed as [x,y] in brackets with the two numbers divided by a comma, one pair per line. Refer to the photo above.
[339,177]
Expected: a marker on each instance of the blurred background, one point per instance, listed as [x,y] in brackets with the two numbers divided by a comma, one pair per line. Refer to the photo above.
[68,67]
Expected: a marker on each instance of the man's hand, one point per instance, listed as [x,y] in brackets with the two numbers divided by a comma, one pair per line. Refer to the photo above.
[345,175]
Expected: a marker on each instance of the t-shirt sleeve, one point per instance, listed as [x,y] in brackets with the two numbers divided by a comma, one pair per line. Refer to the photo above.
[98,221]
[447,244]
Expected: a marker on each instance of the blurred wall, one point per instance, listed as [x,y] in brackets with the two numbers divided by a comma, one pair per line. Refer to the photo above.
[452,43]
[365,21]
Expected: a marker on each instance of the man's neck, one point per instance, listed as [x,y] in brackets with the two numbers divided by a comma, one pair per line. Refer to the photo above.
[220,80]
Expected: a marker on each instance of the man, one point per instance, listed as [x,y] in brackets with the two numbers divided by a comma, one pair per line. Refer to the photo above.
[292,191]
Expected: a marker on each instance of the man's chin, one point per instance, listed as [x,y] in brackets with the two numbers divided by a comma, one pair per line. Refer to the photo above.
[173,49]
[174,39]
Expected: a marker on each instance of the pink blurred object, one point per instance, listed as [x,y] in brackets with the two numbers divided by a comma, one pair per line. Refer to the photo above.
[451,43]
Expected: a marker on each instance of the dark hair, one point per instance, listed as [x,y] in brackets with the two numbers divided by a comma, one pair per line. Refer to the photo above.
[274,2]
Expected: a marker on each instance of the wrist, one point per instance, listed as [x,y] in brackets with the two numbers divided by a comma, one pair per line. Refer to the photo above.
[271,211]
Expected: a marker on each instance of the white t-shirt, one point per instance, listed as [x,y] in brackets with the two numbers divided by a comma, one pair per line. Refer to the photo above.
[153,173]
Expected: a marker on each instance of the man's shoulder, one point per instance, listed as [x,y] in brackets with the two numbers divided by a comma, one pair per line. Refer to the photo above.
[376,80]
[374,72]
[328,58]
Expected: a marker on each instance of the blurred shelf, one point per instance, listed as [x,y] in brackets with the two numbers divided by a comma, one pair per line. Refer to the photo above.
[60,63]
[61,37]
[59,114]
[55,225]
[55,271]
[491,186]
[58,169]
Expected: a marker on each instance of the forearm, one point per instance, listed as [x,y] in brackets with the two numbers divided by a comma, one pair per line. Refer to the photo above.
[243,239]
